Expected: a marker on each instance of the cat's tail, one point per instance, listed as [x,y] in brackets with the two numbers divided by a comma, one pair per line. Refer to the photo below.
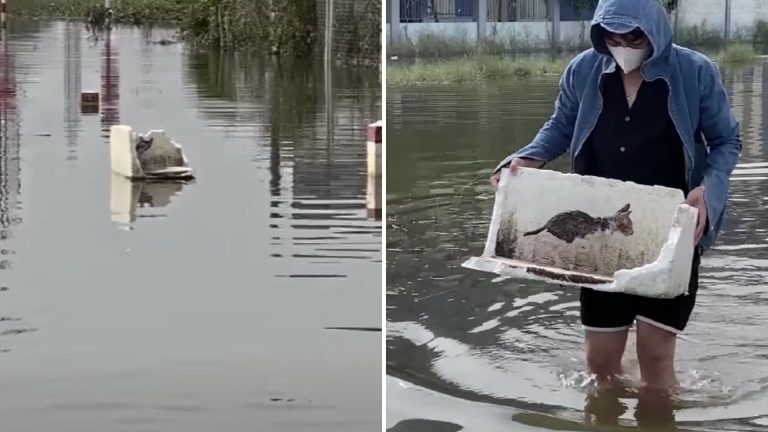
[534,232]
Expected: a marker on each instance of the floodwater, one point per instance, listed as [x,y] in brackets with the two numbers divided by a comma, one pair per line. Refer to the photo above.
[184,307]
[465,352]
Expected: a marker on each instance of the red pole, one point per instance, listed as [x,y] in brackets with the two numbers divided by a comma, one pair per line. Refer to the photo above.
[373,194]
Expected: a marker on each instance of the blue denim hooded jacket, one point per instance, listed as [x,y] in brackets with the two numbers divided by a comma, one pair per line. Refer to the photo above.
[698,104]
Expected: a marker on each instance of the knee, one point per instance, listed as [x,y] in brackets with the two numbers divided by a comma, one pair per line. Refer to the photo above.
[603,362]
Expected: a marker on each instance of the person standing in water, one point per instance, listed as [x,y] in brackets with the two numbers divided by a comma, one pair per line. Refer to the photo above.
[636,107]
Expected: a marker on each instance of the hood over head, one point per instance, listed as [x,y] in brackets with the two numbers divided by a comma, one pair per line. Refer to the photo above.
[623,16]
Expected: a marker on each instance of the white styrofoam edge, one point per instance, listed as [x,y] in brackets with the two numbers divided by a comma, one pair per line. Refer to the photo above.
[498,208]
[674,250]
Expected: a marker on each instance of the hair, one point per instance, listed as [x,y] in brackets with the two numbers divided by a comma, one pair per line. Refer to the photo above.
[635,34]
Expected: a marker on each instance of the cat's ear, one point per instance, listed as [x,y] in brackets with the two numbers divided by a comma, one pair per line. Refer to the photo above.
[624,209]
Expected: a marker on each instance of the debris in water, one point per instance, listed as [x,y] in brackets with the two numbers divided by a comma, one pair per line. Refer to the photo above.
[366,329]
[152,156]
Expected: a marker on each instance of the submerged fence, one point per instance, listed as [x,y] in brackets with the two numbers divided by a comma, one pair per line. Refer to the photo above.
[416,11]
[356,29]
[522,23]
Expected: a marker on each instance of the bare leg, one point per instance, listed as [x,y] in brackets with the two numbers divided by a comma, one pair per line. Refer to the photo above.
[604,352]
[655,410]
[656,353]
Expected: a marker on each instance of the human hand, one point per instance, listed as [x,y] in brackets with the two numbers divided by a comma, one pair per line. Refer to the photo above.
[696,199]
[514,168]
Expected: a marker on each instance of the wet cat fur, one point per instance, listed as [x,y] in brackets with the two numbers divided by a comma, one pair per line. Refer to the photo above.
[570,225]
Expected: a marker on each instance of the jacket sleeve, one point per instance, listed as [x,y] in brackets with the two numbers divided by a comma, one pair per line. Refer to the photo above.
[721,132]
[554,138]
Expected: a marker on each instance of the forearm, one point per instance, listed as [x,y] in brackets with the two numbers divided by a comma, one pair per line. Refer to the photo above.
[721,161]
[524,161]
[548,145]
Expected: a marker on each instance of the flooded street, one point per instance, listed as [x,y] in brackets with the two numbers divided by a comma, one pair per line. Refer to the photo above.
[184,307]
[465,352]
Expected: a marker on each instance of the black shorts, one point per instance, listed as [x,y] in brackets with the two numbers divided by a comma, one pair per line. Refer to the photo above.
[607,311]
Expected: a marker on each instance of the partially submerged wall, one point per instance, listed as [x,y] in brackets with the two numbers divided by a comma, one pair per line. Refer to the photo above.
[695,22]
[523,35]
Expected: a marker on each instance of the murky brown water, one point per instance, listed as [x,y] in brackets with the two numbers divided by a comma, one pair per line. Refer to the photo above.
[466,351]
[205,308]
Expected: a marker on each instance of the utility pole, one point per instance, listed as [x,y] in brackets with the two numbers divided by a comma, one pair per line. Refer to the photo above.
[328,74]
[3,6]
[482,19]
[328,30]
[394,21]
[727,20]
[554,6]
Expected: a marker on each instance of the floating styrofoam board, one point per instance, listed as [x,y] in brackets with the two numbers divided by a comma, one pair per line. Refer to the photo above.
[627,237]
[151,156]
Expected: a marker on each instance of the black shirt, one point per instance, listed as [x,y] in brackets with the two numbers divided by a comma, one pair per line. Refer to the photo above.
[638,144]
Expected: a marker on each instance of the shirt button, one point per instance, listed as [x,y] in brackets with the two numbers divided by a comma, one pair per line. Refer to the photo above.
[626,118]
[622,149]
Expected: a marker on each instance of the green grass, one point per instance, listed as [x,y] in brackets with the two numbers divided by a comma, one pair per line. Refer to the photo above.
[739,53]
[699,36]
[472,68]
[125,11]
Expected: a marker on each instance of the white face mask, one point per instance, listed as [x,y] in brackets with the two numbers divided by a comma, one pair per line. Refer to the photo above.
[629,59]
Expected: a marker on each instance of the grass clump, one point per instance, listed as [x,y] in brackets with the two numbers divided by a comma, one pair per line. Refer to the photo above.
[760,37]
[435,45]
[739,53]
[133,12]
[699,36]
[480,67]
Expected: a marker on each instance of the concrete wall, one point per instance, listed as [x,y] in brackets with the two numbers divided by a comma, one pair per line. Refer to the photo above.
[520,35]
[537,34]
[744,15]
[706,13]
[462,31]
[710,14]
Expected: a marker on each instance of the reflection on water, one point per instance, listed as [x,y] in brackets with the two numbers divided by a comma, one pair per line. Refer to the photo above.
[10,176]
[127,197]
[110,84]
[519,343]
[317,186]
[73,86]
[221,307]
